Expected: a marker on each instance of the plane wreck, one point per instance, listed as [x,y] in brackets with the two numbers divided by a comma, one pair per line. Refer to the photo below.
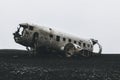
[35,38]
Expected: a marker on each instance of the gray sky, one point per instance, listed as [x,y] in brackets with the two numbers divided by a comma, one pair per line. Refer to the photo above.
[99,19]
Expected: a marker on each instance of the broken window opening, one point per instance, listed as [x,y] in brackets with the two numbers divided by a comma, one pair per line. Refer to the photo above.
[20,30]
[57,38]
[51,36]
[69,40]
[75,42]
[79,43]
[84,45]
[50,28]
[64,39]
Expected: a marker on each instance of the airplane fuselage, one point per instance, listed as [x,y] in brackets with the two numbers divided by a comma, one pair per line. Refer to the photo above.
[38,36]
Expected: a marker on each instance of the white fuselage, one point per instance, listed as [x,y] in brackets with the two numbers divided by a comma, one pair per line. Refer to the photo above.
[51,38]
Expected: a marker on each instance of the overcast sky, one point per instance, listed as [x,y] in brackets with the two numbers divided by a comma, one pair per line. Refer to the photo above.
[98,19]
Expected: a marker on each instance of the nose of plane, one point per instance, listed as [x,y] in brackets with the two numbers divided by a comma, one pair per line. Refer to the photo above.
[16,35]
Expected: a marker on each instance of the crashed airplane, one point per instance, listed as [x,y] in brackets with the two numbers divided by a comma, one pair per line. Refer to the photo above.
[36,38]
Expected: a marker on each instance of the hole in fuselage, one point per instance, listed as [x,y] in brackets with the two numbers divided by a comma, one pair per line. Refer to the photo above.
[21,31]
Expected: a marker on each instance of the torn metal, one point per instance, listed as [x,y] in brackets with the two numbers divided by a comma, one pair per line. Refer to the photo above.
[35,38]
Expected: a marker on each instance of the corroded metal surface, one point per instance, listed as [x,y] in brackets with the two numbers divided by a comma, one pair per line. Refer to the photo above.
[35,37]
[17,65]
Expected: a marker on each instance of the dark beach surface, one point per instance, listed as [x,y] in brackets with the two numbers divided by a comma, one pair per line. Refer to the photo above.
[18,65]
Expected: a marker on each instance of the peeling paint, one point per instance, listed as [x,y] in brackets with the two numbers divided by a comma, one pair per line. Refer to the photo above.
[52,39]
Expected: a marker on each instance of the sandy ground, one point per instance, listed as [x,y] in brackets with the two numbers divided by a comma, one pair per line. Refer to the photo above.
[18,65]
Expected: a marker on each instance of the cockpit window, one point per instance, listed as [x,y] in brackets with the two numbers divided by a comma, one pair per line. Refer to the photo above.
[24,26]
[84,45]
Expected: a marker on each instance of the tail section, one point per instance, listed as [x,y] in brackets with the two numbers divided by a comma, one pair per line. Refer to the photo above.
[100,47]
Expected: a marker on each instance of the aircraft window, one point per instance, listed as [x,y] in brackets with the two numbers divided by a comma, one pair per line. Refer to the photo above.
[79,43]
[51,36]
[57,38]
[50,28]
[31,27]
[75,42]
[84,44]
[64,39]
[69,40]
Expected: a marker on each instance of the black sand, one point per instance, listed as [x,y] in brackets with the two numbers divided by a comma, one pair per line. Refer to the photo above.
[18,65]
